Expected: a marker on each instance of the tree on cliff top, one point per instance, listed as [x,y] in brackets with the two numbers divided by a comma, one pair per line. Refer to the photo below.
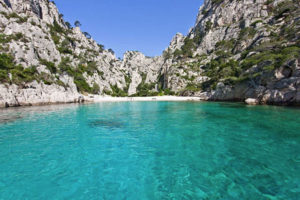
[77,23]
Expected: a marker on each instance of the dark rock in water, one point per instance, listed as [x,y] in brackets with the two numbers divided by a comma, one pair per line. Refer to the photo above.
[8,119]
[106,124]
[266,184]
[81,99]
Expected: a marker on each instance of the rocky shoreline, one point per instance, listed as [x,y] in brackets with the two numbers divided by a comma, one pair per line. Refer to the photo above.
[229,55]
[94,99]
[79,99]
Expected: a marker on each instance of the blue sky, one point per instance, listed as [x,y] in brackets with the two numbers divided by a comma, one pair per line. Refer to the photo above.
[143,25]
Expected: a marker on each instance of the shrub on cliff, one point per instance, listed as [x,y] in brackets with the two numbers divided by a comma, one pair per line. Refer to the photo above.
[87,35]
[111,51]
[6,62]
[50,65]
[64,48]
[77,23]
[272,59]
[81,84]
[188,47]
[95,89]
[18,73]
[117,92]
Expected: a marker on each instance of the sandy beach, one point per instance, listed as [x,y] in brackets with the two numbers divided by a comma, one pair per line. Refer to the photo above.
[154,98]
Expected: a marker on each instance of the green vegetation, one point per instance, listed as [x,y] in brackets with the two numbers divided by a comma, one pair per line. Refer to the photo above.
[193,87]
[18,73]
[81,84]
[256,22]
[219,69]
[128,81]
[247,33]
[208,25]
[232,72]
[90,68]
[167,54]
[79,80]
[87,35]
[56,30]
[190,45]
[111,51]
[22,75]
[117,92]
[147,89]
[177,53]
[216,2]
[77,23]
[226,44]
[144,89]
[205,12]
[285,8]
[65,66]
[268,2]
[186,50]
[16,16]
[4,39]
[280,49]
[68,25]
[272,59]
[50,65]
[33,23]
[95,89]
[166,91]
[64,47]
[77,73]
[255,62]
[101,48]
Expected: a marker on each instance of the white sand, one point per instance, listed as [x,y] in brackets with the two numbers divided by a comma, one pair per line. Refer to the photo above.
[155,98]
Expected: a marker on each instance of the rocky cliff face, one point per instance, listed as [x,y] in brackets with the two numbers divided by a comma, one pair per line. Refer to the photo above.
[238,49]
[44,61]
[241,49]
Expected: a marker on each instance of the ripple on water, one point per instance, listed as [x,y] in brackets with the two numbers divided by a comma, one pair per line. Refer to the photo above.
[150,150]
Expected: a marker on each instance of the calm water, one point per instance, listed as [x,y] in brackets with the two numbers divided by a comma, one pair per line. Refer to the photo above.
[150,150]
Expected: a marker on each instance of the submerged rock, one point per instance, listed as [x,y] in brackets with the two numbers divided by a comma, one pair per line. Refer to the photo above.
[110,124]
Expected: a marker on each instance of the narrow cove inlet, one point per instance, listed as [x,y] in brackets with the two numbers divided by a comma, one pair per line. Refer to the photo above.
[150,150]
[150,100]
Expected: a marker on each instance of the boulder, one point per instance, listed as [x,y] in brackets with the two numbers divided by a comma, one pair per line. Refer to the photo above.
[251,101]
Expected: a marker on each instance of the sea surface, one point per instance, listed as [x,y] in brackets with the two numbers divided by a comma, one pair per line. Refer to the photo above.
[150,150]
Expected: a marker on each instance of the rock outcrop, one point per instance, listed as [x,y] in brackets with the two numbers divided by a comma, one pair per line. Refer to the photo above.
[241,49]
[237,50]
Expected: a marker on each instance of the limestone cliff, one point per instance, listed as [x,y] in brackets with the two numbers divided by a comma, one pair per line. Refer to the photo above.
[241,49]
[238,49]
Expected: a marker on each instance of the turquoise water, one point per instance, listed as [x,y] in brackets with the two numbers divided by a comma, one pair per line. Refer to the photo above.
[150,150]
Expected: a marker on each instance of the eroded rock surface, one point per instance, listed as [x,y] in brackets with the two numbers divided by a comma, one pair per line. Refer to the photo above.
[237,50]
